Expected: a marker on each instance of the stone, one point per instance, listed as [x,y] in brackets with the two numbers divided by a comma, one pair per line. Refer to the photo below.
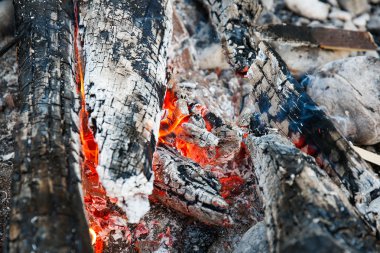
[373,25]
[348,90]
[349,25]
[304,59]
[312,9]
[333,2]
[361,21]
[268,4]
[254,240]
[7,24]
[355,7]
[339,14]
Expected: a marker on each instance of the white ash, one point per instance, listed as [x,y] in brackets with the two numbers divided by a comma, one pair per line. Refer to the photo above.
[131,193]
[212,57]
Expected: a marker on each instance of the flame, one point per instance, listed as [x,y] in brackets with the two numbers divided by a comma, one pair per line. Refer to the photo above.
[93,236]
[170,126]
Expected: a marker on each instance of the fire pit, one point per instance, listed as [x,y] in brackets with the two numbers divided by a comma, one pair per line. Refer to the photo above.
[153,126]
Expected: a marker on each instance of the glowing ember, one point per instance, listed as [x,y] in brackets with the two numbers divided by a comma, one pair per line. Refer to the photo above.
[231,185]
[175,130]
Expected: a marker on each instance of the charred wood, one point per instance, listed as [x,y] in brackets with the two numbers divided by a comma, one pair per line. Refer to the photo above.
[317,37]
[186,187]
[304,210]
[234,20]
[47,210]
[284,104]
[125,47]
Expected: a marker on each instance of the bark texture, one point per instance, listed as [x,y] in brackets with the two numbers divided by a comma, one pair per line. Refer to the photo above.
[125,44]
[304,210]
[284,104]
[47,210]
[186,187]
[234,20]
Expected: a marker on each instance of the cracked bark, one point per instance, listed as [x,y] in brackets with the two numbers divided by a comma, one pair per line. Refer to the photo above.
[234,20]
[186,187]
[304,210]
[47,209]
[125,45]
[284,104]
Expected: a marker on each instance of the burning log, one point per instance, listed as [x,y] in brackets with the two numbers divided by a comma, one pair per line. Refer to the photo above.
[304,210]
[47,210]
[125,46]
[284,104]
[186,187]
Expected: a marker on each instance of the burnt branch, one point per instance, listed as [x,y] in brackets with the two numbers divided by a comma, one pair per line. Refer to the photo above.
[47,210]
[304,210]
[284,104]
[186,187]
[125,46]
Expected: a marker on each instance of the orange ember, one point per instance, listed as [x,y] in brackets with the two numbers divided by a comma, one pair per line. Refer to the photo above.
[231,186]
[171,125]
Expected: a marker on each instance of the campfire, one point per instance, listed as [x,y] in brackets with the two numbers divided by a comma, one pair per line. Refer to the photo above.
[187,126]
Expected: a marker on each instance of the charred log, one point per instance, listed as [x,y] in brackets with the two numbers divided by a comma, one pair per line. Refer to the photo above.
[304,210]
[47,210]
[125,44]
[186,187]
[284,104]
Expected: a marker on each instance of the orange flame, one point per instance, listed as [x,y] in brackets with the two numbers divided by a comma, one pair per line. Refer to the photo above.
[93,236]
[171,125]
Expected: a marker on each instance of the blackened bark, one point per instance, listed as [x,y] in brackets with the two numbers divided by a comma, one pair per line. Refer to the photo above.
[125,46]
[304,210]
[47,210]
